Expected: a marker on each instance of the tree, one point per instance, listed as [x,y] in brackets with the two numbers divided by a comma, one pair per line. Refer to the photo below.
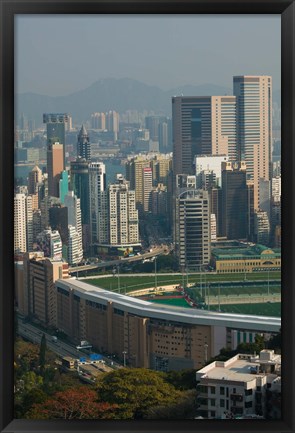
[182,380]
[42,354]
[74,403]
[135,391]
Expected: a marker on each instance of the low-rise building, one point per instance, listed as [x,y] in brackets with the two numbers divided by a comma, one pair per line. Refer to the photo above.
[241,387]
[253,258]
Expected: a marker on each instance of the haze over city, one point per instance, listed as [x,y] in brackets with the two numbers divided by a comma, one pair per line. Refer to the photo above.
[59,55]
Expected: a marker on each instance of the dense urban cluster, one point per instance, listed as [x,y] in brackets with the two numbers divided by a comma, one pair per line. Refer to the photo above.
[201,191]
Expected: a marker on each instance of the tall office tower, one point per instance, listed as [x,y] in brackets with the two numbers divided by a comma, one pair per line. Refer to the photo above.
[58,220]
[23,223]
[202,125]
[83,144]
[63,185]
[234,200]
[251,211]
[147,188]
[254,126]
[192,228]
[211,163]
[35,179]
[163,136]
[72,202]
[97,186]
[112,123]
[261,227]
[80,186]
[215,197]
[37,227]
[123,215]
[39,276]
[55,165]
[49,241]
[264,195]
[276,188]
[159,200]
[134,174]
[55,126]
[45,205]
[98,121]
[75,249]
[152,123]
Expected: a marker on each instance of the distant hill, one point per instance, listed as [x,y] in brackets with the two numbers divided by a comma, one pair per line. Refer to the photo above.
[111,94]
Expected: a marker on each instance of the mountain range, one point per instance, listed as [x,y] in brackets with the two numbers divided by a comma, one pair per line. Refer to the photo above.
[113,94]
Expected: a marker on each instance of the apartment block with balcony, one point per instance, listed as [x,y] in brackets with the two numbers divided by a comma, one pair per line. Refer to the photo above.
[241,387]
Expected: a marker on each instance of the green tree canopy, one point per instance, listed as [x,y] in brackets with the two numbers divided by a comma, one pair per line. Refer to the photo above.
[135,391]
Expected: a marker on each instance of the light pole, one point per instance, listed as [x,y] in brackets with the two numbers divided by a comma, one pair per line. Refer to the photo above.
[206,351]
[124,357]
[156,283]
[118,272]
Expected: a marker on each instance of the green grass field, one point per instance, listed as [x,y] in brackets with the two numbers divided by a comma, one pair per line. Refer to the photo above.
[264,309]
[129,284]
[172,302]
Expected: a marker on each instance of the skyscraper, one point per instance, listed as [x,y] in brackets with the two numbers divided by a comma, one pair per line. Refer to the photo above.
[254,126]
[55,165]
[55,126]
[234,200]
[98,203]
[192,224]
[123,216]
[147,188]
[202,125]
[23,223]
[35,179]
[83,144]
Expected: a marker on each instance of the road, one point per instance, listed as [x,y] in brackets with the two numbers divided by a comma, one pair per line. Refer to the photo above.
[156,251]
[60,348]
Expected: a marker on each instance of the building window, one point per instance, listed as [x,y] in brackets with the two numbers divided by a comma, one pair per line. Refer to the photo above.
[222,390]
[221,403]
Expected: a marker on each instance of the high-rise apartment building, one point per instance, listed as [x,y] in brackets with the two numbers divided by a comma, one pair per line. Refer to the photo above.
[192,224]
[202,125]
[234,200]
[147,188]
[23,223]
[98,121]
[49,241]
[39,276]
[55,127]
[83,144]
[75,250]
[98,203]
[134,174]
[123,215]
[254,126]
[261,227]
[55,165]
[72,202]
[35,179]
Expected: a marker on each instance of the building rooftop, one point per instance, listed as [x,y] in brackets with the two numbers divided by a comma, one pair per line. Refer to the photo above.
[241,368]
[175,314]
[255,251]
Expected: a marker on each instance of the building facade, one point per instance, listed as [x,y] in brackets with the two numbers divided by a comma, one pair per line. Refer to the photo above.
[152,336]
[254,126]
[202,125]
[240,387]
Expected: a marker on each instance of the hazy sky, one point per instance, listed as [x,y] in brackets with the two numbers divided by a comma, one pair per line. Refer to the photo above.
[60,54]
